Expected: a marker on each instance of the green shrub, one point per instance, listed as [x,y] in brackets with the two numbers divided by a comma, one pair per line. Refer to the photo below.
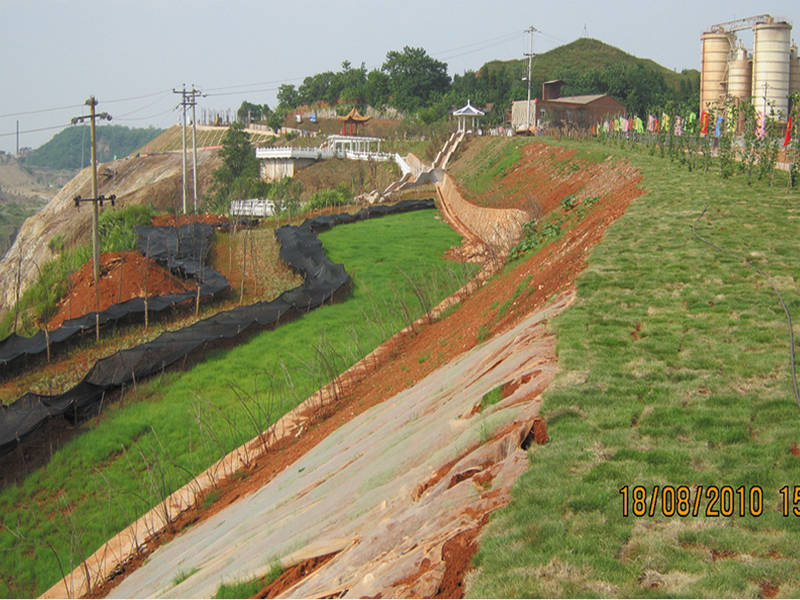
[117,227]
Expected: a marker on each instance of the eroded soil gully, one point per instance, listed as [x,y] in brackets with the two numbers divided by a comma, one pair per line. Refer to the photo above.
[399,364]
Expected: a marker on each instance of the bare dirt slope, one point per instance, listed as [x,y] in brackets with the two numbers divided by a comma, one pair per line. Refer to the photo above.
[152,179]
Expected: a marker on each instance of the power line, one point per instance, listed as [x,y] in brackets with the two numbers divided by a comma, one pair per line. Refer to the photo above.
[41,110]
[36,130]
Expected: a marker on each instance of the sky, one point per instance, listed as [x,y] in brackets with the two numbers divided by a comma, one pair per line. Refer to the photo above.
[131,54]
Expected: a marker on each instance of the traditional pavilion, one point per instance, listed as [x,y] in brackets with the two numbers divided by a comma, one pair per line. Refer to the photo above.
[467,112]
[354,119]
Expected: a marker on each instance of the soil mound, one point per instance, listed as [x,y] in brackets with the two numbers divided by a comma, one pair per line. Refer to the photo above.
[170,220]
[123,275]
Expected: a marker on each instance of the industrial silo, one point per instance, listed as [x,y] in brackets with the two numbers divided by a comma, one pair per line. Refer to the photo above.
[740,74]
[794,70]
[716,50]
[771,67]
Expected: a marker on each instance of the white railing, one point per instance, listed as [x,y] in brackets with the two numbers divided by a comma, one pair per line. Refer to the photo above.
[290,152]
[254,207]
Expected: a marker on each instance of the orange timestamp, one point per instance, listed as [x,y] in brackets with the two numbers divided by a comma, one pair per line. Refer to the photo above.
[710,501]
[685,501]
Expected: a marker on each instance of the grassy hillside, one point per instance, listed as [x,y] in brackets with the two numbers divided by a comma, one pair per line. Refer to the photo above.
[71,148]
[586,53]
[589,66]
[675,371]
[179,423]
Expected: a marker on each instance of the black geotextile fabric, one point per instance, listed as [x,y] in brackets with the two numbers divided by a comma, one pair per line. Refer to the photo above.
[182,250]
[301,249]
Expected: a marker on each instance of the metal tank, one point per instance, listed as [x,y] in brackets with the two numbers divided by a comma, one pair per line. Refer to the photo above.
[740,74]
[794,70]
[714,66]
[771,67]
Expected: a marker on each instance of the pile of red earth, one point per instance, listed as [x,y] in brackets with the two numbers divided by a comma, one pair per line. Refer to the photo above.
[123,275]
[169,220]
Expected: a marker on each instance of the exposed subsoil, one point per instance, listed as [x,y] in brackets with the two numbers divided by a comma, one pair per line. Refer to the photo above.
[170,220]
[411,357]
[292,575]
[123,276]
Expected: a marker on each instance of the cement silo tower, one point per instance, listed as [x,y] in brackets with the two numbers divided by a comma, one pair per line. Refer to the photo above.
[794,70]
[740,74]
[771,45]
[717,46]
[766,78]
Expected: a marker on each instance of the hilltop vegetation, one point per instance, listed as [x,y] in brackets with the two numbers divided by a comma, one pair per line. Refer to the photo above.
[71,148]
[415,83]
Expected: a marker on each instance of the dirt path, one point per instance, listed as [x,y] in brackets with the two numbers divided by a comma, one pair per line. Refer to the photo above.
[386,490]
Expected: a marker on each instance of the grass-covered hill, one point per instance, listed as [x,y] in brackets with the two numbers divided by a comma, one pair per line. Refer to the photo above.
[585,54]
[70,148]
[589,66]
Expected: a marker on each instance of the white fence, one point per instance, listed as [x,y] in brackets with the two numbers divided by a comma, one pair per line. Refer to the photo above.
[252,208]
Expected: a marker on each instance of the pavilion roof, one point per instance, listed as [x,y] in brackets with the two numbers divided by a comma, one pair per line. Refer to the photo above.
[354,116]
[468,110]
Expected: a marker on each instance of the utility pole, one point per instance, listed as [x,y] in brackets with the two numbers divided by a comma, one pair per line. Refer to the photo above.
[529,54]
[188,98]
[95,200]
[182,92]
[194,93]
[17,138]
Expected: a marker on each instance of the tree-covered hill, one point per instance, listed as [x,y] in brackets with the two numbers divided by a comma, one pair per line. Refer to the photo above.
[414,82]
[589,66]
[70,148]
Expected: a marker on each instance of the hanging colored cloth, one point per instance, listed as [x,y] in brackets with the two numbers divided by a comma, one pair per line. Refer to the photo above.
[788,137]
[656,125]
[704,123]
[650,123]
[718,126]
[665,122]
[639,125]
[678,129]
[690,123]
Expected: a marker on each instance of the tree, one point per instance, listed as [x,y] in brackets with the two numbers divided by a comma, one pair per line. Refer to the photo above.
[238,156]
[288,96]
[238,177]
[414,77]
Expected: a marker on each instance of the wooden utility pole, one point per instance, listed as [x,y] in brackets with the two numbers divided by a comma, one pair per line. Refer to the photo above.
[96,201]
[182,92]
[529,54]
[193,101]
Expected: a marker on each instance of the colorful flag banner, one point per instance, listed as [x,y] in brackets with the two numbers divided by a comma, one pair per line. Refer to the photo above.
[788,137]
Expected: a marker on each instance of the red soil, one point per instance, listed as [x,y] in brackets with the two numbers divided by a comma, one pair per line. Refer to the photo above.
[123,275]
[170,220]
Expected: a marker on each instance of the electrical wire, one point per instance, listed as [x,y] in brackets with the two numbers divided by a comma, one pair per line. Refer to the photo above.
[35,130]
[125,119]
[772,285]
[41,110]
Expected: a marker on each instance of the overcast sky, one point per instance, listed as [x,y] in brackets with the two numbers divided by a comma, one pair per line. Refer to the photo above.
[130,54]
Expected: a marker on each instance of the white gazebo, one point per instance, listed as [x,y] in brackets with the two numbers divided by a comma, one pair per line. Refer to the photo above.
[465,112]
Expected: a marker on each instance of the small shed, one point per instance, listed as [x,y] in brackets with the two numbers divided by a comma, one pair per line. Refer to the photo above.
[467,112]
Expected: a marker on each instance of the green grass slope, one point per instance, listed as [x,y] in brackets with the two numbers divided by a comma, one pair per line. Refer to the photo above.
[675,371]
[181,422]
[587,53]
